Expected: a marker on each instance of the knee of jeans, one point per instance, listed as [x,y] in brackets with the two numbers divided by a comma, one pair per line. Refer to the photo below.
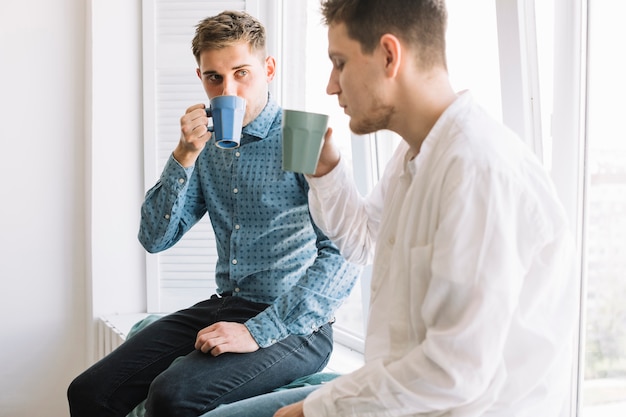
[81,396]
[166,397]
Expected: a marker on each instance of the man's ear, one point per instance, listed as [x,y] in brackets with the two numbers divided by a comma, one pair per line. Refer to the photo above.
[270,68]
[392,53]
[198,73]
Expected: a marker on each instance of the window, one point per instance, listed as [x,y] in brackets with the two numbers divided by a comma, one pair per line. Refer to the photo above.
[588,160]
[472,52]
[604,370]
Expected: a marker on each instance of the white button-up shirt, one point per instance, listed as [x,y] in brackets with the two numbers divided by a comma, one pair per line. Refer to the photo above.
[473,298]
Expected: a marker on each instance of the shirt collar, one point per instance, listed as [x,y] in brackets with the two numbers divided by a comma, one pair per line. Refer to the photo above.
[438,135]
[260,126]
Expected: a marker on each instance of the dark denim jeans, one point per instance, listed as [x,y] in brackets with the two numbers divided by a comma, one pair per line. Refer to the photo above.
[199,382]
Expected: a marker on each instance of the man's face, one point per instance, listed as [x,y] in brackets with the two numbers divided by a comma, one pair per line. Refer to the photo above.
[236,71]
[358,81]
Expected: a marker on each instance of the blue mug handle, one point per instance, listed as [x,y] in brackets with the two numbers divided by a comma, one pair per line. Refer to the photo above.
[209,114]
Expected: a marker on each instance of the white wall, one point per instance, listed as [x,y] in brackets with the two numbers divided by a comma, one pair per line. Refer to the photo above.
[116,260]
[70,189]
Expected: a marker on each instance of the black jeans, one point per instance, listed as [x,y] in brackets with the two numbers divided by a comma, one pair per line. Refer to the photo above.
[198,382]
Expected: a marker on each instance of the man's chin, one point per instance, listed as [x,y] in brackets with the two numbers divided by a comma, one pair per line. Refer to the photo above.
[375,121]
[360,128]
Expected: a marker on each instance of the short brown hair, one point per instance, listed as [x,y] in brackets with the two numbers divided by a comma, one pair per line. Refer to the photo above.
[421,23]
[228,28]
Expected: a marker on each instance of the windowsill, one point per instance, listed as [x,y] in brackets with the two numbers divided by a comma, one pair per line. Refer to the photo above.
[122,323]
[343,359]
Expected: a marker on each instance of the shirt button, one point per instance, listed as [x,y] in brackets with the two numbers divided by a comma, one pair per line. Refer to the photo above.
[181,180]
[392,240]
[237,289]
[234,261]
[237,153]
[167,217]
[237,227]
[235,190]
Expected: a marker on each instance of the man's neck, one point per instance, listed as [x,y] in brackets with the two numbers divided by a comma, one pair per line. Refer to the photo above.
[423,103]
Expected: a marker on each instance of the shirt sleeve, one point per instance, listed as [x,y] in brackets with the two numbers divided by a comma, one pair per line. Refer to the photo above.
[350,220]
[170,208]
[310,303]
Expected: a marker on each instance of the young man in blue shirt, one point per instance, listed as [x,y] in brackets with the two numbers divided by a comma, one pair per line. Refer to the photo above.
[279,278]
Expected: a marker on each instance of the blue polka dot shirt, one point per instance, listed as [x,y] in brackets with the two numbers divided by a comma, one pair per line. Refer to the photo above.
[269,250]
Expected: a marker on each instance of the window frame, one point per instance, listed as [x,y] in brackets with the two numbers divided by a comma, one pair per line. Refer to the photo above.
[568,148]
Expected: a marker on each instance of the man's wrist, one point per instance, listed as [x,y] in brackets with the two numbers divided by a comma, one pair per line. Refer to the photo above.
[184,157]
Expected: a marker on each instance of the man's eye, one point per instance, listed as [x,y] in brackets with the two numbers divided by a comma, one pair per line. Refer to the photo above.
[338,64]
[242,73]
[214,78]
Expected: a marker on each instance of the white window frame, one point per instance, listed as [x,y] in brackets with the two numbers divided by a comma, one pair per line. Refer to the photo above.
[522,113]
[568,145]
[519,72]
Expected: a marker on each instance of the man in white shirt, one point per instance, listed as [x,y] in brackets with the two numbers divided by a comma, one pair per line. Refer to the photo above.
[472,309]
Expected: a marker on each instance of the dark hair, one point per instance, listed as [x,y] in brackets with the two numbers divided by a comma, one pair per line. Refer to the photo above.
[420,23]
[226,29]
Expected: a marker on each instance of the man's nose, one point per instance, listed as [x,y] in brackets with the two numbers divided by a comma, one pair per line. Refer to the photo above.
[333,85]
[229,87]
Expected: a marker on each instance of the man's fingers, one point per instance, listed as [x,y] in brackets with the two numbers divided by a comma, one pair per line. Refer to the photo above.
[207,344]
[226,337]
[194,124]
[218,350]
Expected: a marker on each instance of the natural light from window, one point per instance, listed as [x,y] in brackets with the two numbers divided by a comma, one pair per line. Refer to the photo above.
[604,385]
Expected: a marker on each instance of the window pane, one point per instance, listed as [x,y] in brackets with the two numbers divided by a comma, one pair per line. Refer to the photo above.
[317,69]
[604,386]
[350,317]
[472,45]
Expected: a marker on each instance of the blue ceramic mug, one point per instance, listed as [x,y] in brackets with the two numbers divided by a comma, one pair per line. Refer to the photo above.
[227,113]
